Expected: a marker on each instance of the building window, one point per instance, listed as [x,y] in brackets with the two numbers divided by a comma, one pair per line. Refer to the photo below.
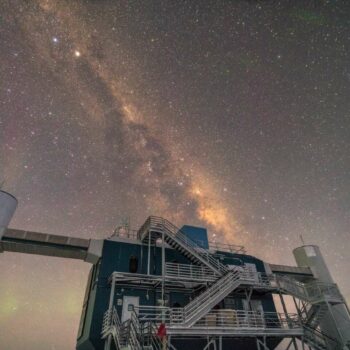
[133,264]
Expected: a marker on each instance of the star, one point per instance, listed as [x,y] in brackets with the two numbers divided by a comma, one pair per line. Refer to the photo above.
[230,117]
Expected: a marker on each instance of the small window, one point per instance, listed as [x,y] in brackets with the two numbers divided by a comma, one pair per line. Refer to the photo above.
[133,264]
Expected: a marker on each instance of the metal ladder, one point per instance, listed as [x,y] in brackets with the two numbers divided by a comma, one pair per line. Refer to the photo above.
[155,227]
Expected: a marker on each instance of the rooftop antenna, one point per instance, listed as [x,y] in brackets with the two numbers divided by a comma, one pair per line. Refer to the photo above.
[123,229]
[2,184]
[302,239]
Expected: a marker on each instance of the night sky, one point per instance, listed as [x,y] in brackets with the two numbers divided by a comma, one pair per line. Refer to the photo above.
[234,115]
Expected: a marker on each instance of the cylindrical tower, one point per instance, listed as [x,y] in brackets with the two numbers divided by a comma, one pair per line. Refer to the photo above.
[8,205]
[336,322]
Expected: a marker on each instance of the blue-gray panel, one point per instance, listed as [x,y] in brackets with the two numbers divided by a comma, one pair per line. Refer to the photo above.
[197,234]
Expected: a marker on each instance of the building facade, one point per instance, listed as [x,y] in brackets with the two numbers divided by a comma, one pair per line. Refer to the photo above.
[162,287]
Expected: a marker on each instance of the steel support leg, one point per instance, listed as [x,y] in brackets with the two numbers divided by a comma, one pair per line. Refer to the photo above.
[149,254]
[262,343]
[295,344]
[290,343]
[108,342]
[163,268]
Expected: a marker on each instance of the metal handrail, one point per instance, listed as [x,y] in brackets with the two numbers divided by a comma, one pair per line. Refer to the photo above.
[111,325]
[220,287]
[229,318]
[217,291]
[134,331]
[190,272]
[313,291]
[127,233]
[223,318]
[320,338]
[190,243]
[110,318]
[150,337]
[158,224]
[226,247]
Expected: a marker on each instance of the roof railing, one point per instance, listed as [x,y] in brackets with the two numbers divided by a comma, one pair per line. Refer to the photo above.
[126,232]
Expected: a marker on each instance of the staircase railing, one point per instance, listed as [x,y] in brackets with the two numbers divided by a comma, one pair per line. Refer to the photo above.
[222,318]
[320,340]
[229,318]
[150,337]
[190,272]
[315,314]
[205,300]
[202,273]
[312,292]
[204,253]
[157,224]
[134,332]
[111,325]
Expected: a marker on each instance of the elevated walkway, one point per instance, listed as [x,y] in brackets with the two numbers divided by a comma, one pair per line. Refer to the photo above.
[29,242]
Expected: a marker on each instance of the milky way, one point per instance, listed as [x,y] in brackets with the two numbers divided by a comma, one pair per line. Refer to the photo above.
[230,115]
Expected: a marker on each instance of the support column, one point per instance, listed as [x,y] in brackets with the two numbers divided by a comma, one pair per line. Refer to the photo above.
[295,343]
[286,312]
[111,296]
[290,343]
[149,253]
[108,340]
[163,268]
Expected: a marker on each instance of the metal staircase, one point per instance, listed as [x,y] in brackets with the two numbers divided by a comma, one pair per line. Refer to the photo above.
[111,326]
[225,280]
[125,335]
[317,295]
[150,339]
[318,340]
[156,227]
[313,292]
[316,314]
[314,339]
[203,303]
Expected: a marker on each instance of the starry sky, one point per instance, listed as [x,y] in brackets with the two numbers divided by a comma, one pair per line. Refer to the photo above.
[233,115]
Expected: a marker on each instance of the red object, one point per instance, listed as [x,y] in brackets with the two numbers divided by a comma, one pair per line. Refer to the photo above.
[161,332]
